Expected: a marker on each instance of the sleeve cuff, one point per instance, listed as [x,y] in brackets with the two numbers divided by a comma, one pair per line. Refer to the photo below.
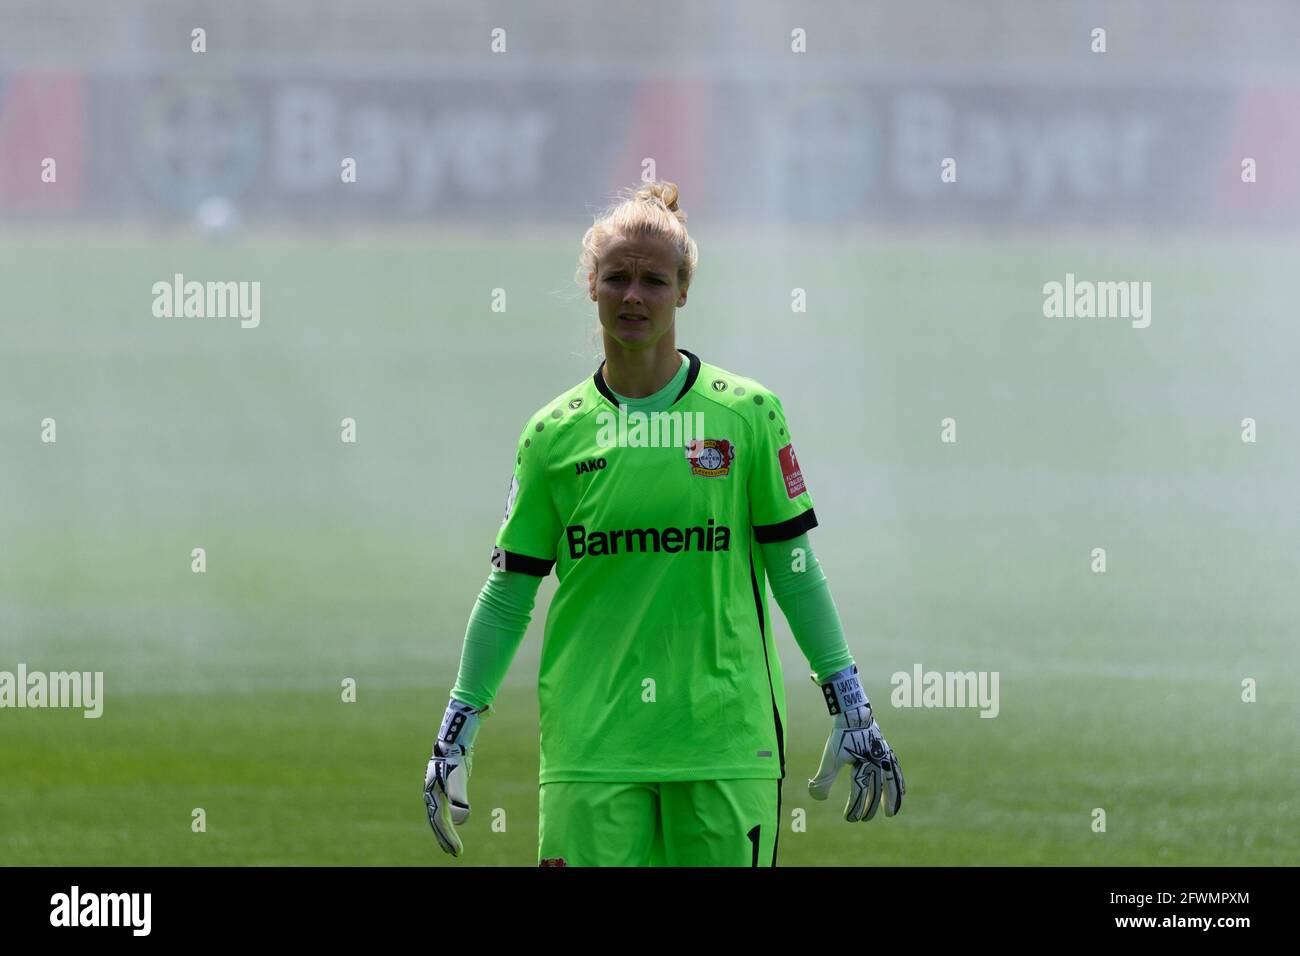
[504,560]
[785,530]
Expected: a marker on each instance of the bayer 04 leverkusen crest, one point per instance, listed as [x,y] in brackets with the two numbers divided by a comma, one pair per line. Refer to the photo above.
[710,457]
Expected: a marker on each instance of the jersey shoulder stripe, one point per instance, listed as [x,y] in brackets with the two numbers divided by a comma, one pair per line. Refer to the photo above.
[554,418]
[754,403]
[743,394]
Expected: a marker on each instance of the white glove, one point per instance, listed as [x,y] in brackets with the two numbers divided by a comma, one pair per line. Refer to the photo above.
[856,740]
[446,779]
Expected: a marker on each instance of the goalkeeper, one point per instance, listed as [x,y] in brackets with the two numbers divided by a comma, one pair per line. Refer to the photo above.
[661,696]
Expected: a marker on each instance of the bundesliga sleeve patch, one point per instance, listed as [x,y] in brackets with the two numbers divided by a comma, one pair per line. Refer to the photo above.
[790,469]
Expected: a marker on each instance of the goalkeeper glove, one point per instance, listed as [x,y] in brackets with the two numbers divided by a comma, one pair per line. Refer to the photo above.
[446,779]
[856,740]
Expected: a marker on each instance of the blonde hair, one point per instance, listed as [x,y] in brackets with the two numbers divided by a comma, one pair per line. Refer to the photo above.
[650,210]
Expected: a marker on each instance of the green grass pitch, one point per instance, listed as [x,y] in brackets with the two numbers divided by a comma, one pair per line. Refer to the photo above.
[325,561]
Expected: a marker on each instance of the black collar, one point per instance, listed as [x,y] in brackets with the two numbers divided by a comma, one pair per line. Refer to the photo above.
[691,375]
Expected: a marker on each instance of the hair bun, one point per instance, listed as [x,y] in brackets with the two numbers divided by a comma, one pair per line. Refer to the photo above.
[665,192]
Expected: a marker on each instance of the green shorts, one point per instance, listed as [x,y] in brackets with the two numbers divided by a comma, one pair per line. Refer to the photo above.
[685,823]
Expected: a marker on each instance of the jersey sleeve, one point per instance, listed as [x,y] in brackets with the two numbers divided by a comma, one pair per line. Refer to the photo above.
[531,527]
[779,504]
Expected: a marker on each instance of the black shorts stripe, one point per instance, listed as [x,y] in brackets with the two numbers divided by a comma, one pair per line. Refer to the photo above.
[762,641]
[776,840]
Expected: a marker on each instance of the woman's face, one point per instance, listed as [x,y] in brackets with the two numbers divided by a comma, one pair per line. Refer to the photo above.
[635,289]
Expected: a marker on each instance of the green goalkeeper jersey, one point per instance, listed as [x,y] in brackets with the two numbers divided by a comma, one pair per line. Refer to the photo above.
[658,661]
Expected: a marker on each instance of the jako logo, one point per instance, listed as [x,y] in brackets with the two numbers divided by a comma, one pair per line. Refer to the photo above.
[102,909]
[591,464]
[672,540]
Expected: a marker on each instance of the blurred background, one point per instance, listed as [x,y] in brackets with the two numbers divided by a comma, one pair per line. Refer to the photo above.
[485,137]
